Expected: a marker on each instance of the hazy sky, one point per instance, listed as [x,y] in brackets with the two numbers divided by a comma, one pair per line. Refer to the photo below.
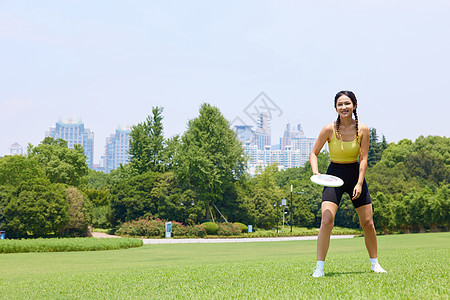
[108,62]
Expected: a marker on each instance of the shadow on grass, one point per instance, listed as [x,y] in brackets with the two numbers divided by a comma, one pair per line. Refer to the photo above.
[330,274]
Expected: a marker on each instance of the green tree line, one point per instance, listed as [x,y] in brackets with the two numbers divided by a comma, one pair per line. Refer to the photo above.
[200,176]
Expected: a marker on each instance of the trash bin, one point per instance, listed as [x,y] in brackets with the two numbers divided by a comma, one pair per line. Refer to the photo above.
[2,235]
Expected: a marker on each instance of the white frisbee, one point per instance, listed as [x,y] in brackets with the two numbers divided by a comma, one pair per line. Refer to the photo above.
[327,180]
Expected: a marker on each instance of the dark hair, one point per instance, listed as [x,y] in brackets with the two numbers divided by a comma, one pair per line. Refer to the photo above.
[352,97]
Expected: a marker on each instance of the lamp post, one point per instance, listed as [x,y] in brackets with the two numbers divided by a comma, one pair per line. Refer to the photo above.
[298,193]
[276,205]
[291,208]
[283,202]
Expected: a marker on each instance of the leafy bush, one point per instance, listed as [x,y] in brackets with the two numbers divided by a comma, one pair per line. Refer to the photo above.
[143,227]
[79,216]
[243,227]
[178,229]
[197,230]
[148,227]
[228,229]
[211,227]
[67,244]
[301,231]
[37,208]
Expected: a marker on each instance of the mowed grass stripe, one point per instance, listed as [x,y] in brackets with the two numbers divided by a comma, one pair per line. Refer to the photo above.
[417,265]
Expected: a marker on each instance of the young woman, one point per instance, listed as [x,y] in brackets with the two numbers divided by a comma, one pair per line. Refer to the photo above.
[347,140]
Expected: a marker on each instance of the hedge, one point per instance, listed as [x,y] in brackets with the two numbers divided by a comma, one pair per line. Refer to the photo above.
[67,244]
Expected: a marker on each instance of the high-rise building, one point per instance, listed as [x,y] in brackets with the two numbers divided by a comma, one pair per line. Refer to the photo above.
[294,151]
[263,133]
[290,134]
[116,149]
[100,166]
[304,147]
[244,133]
[15,149]
[73,132]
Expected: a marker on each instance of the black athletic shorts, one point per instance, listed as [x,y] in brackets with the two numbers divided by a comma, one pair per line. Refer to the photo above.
[349,173]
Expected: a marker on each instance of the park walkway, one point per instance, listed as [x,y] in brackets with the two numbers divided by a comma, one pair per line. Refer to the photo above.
[224,240]
[103,235]
[240,240]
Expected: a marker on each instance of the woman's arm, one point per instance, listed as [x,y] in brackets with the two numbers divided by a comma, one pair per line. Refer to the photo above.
[362,161]
[324,136]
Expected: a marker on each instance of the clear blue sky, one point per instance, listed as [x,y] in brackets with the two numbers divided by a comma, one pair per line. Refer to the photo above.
[108,62]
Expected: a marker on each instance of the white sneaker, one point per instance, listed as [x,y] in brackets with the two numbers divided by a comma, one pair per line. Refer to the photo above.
[318,272]
[378,269]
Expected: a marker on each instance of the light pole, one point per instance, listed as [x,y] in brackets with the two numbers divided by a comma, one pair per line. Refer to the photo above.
[283,202]
[298,193]
[291,208]
[276,205]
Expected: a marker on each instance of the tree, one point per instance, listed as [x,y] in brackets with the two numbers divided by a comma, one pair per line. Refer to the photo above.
[210,156]
[5,196]
[311,198]
[346,215]
[383,215]
[122,173]
[97,180]
[257,205]
[18,168]
[302,212]
[131,199]
[288,176]
[401,208]
[172,203]
[323,161]
[147,144]
[60,164]
[390,180]
[440,208]
[37,208]
[79,216]
[98,197]
[171,147]
[375,148]
[419,202]
[430,159]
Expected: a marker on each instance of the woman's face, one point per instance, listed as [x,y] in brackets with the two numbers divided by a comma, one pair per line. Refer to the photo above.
[344,106]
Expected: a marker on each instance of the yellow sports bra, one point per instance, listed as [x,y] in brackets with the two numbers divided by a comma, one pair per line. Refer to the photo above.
[343,151]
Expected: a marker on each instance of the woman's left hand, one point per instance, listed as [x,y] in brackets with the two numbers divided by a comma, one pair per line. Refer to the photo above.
[357,191]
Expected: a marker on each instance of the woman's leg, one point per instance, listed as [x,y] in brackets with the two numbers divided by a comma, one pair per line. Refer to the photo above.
[370,236]
[329,210]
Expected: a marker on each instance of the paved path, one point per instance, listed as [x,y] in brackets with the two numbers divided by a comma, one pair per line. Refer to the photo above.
[239,240]
[103,235]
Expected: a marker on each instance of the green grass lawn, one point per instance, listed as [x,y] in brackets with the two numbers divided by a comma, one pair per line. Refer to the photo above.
[417,266]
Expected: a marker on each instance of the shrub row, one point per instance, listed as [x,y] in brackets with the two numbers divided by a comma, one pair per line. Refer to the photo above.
[301,231]
[67,244]
[149,227]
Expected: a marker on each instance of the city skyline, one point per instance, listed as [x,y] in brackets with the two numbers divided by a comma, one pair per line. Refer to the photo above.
[122,133]
[111,62]
[292,151]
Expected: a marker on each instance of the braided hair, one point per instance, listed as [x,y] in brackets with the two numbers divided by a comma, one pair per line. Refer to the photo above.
[352,97]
